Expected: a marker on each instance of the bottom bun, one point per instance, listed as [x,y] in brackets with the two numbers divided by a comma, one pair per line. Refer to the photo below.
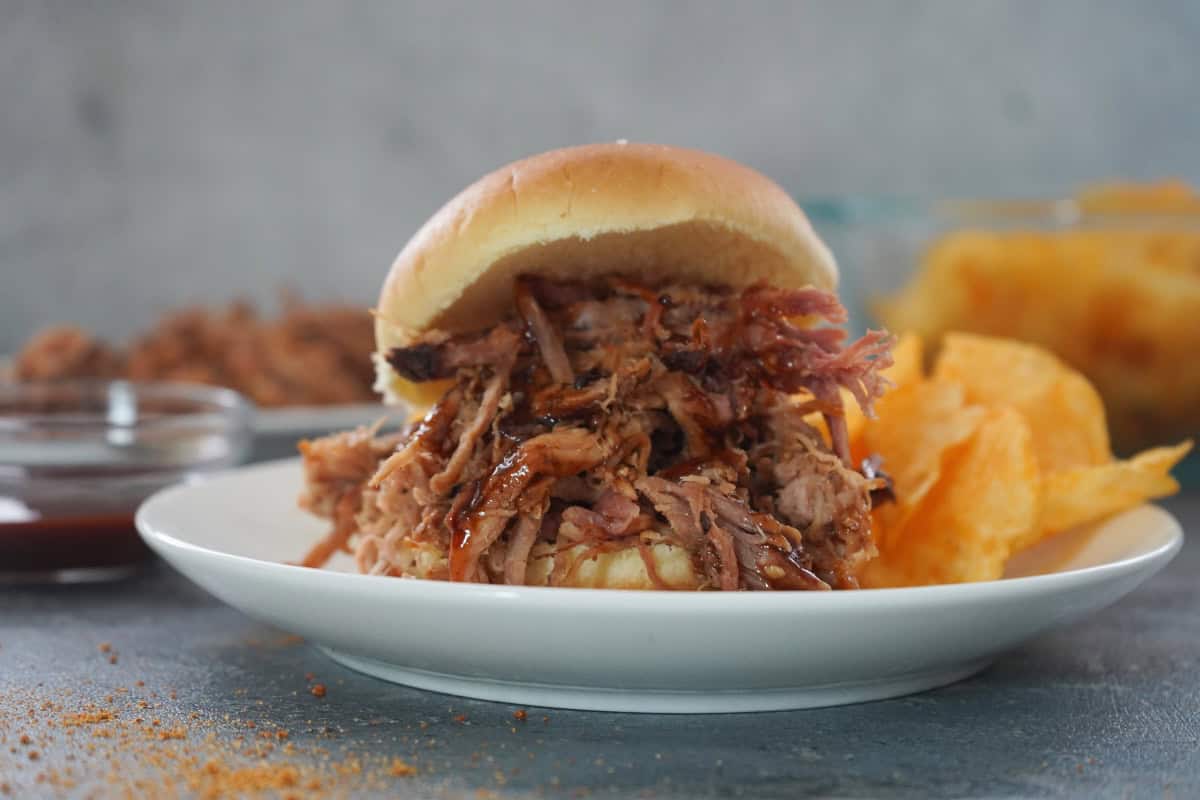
[581,567]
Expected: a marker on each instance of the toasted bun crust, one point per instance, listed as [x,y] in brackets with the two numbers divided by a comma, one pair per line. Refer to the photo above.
[654,212]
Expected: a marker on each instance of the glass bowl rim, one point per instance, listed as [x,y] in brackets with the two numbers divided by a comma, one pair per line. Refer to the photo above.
[207,402]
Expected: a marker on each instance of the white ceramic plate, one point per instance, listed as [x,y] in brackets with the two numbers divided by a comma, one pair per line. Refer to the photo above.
[634,651]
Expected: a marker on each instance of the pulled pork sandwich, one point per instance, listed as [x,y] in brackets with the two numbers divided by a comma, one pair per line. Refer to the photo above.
[620,349]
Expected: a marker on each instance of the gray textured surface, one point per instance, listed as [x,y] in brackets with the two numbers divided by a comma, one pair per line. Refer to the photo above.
[1108,708]
[156,153]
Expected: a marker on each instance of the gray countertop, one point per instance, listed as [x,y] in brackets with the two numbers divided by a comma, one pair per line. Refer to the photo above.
[1109,707]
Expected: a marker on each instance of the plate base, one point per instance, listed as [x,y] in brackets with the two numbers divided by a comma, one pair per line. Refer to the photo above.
[650,701]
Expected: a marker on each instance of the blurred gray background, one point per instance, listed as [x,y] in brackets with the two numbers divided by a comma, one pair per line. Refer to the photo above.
[158,153]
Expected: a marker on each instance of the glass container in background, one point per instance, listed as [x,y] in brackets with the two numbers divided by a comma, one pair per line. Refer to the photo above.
[77,458]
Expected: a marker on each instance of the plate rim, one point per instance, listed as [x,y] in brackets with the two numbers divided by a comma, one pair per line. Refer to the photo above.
[584,697]
[580,598]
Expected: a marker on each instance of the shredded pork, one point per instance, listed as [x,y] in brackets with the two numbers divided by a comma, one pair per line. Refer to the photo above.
[613,415]
[309,355]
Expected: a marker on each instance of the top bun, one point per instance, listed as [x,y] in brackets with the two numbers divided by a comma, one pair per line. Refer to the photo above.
[652,212]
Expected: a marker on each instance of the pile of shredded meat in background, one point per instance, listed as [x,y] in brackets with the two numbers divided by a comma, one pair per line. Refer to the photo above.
[310,355]
[613,416]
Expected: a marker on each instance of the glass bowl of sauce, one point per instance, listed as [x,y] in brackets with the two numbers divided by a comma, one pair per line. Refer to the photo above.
[77,458]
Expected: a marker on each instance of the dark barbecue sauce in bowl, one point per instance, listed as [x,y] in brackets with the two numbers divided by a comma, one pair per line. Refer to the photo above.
[77,458]
[70,544]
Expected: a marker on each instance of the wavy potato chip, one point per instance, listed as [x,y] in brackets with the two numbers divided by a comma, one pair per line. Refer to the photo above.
[906,368]
[1004,446]
[855,418]
[907,361]
[968,525]
[1116,300]
[918,424]
[1085,494]
[1063,409]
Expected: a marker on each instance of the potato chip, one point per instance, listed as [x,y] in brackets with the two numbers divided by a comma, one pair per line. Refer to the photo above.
[1117,298]
[907,361]
[1063,409]
[917,426]
[854,417]
[906,368]
[966,527]
[1086,494]
[1003,446]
